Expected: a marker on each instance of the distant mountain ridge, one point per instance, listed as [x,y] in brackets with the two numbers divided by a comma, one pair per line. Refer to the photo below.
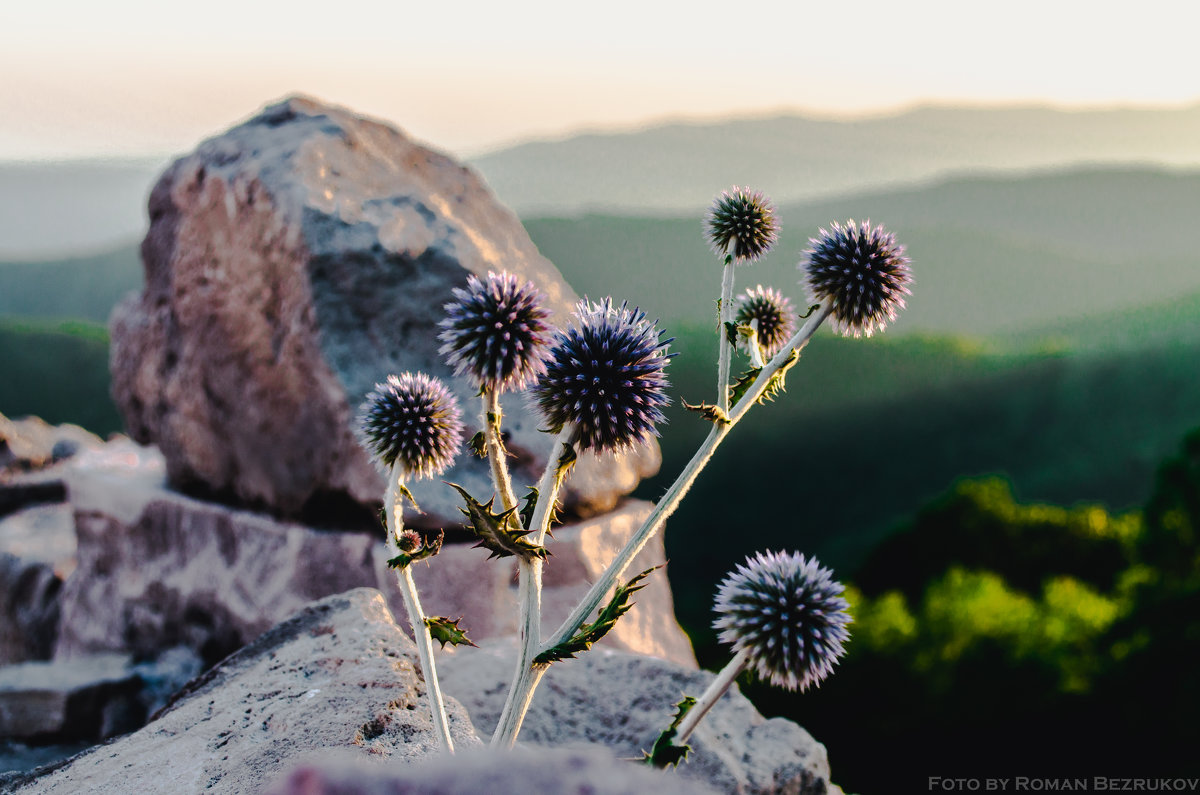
[679,167]
[1000,255]
[991,255]
[50,210]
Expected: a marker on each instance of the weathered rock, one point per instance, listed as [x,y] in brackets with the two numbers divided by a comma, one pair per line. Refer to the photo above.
[520,771]
[29,609]
[89,698]
[37,550]
[157,569]
[31,443]
[292,263]
[622,701]
[339,674]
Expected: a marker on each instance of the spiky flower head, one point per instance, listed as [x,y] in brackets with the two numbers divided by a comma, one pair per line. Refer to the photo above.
[741,222]
[412,420]
[774,313]
[606,376]
[496,331]
[788,612]
[863,271]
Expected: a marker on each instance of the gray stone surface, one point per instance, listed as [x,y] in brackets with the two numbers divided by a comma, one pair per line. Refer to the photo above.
[291,263]
[622,701]
[338,674]
[89,698]
[157,569]
[522,771]
[29,609]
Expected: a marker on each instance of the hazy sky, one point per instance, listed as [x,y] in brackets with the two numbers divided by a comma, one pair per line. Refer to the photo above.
[132,77]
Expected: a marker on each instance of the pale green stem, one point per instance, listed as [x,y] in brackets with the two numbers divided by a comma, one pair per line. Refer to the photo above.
[756,350]
[670,501]
[725,352]
[394,508]
[521,694]
[495,449]
[529,626]
[711,696]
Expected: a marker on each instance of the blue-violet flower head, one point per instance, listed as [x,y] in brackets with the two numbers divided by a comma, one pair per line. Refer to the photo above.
[413,421]
[606,376]
[496,332]
[863,271]
[788,612]
[774,313]
[741,222]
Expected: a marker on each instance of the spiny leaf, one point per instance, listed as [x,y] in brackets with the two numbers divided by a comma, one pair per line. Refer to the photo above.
[665,753]
[740,387]
[567,459]
[498,533]
[731,332]
[774,386]
[444,631]
[606,619]
[429,548]
[408,496]
[530,506]
[531,498]
[478,445]
[708,411]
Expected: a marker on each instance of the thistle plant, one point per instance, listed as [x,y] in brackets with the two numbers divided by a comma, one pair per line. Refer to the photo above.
[784,617]
[600,384]
[411,424]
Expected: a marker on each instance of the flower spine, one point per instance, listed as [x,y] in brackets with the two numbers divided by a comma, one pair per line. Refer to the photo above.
[413,421]
[862,270]
[786,611]
[606,377]
[741,223]
[774,313]
[497,332]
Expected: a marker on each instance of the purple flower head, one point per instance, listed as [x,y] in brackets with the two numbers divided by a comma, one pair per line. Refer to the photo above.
[496,331]
[412,420]
[606,377]
[788,612]
[863,271]
[741,222]
[774,313]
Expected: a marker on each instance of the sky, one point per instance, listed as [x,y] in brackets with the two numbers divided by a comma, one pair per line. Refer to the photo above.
[137,78]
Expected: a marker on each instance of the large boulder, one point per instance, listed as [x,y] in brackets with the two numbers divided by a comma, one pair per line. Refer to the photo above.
[158,569]
[622,701]
[339,674]
[291,263]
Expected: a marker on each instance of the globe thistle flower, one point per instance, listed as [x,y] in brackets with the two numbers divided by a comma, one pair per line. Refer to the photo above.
[774,313]
[741,222]
[496,331]
[606,377]
[863,271]
[413,421]
[787,612]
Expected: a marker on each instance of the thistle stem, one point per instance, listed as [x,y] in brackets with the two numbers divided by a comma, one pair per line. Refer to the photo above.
[416,618]
[670,501]
[497,455]
[711,696]
[529,626]
[725,352]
